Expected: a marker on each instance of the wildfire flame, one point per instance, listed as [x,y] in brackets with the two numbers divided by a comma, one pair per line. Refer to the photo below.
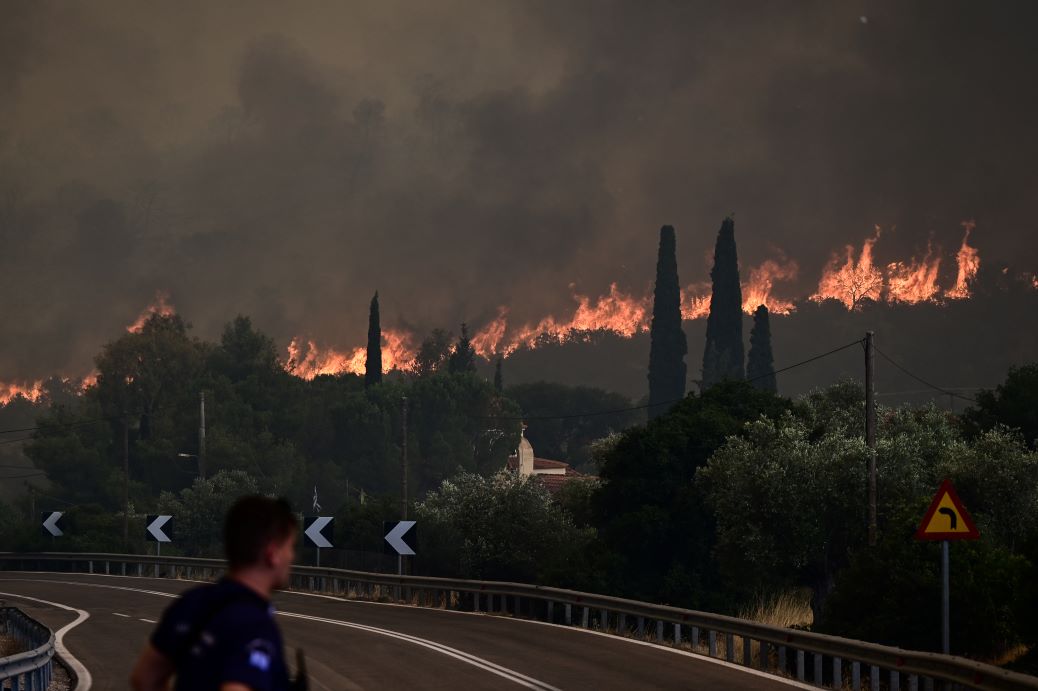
[30,391]
[160,306]
[915,281]
[968,259]
[307,360]
[757,291]
[853,281]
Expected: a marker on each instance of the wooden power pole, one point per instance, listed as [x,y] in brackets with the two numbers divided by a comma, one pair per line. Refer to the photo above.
[870,428]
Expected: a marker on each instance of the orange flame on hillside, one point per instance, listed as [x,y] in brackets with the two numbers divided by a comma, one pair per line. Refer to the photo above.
[307,360]
[915,281]
[968,259]
[160,306]
[853,281]
[757,291]
[30,391]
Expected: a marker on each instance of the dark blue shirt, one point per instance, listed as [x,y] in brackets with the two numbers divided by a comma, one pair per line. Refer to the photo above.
[221,633]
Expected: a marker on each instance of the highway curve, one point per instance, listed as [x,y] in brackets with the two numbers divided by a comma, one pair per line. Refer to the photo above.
[364,645]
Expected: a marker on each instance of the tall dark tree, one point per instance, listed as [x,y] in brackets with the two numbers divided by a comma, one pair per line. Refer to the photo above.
[463,357]
[723,356]
[667,340]
[499,382]
[760,363]
[373,365]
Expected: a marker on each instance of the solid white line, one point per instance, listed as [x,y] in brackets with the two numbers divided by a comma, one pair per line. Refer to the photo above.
[486,665]
[85,680]
[575,629]
[121,615]
[148,621]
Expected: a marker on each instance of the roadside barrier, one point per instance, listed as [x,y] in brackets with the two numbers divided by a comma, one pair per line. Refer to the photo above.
[822,660]
[30,668]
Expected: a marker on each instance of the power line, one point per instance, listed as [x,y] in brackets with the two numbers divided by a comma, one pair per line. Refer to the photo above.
[632,409]
[946,392]
[57,424]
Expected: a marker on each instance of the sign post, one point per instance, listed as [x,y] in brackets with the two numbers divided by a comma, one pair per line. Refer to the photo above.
[946,520]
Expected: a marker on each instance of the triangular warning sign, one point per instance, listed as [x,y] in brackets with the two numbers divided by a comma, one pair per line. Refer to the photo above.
[947,518]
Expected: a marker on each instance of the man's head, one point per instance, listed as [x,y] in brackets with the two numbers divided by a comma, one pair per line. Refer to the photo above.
[260,535]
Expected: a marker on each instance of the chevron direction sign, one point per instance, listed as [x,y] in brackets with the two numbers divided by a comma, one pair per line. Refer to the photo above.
[401,537]
[159,529]
[319,530]
[50,519]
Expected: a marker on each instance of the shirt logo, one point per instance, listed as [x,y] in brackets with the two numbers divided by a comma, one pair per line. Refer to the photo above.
[260,660]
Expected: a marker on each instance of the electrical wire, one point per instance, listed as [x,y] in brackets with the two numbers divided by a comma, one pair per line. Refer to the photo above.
[946,392]
[617,411]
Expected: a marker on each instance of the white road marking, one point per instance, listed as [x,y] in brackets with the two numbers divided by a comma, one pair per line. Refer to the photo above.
[148,621]
[121,615]
[85,680]
[575,629]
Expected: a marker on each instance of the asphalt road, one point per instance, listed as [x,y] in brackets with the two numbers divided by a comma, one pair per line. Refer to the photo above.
[361,645]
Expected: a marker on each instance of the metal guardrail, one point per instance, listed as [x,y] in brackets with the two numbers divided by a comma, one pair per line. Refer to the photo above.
[826,661]
[30,669]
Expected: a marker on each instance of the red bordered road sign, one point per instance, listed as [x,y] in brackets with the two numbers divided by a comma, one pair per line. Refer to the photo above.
[947,518]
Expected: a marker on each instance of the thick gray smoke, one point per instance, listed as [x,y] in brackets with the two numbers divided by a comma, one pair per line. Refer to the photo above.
[287,160]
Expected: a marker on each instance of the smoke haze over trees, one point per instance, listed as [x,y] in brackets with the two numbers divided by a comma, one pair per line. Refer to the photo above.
[239,159]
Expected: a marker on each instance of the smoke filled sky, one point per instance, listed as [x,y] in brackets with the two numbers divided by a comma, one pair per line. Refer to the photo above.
[285,160]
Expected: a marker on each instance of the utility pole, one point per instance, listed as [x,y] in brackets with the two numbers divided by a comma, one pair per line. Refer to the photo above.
[201,437]
[403,459]
[126,482]
[870,427]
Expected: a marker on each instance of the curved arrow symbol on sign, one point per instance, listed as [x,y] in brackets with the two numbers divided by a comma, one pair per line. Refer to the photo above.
[314,531]
[395,538]
[155,528]
[50,524]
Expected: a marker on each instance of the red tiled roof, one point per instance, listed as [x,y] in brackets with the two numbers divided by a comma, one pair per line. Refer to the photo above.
[545,464]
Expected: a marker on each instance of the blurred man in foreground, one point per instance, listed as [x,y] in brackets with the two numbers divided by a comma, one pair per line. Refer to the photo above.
[223,637]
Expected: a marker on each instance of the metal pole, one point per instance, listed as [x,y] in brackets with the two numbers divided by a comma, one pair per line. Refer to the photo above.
[158,548]
[945,601]
[318,555]
[201,436]
[399,565]
[870,428]
[403,459]
[126,482]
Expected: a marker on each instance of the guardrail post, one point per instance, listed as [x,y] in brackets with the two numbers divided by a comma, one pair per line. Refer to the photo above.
[659,632]
[713,643]
[586,618]
[90,566]
[551,611]
[603,619]
[837,673]
[819,681]
[855,676]
[641,627]
[800,665]
[107,564]
[782,659]
[140,569]
[729,647]
[874,678]
[895,680]
[763,652]
[124,567]
[569,614]
[913,682]
[695,638]
[677,634]
[621,624]
[156,570]
[747,651]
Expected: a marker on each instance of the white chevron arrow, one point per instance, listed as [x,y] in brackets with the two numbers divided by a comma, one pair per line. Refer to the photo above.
[395,538]
[51,524]
[314,531]
[155,528]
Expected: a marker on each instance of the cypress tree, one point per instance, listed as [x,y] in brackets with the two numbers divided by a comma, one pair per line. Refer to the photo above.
[499,382]
[668,346]
[760,364]
[463,358]
[723,356]
[373,364]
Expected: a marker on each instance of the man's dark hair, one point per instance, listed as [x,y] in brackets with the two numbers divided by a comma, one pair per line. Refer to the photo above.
[253,523]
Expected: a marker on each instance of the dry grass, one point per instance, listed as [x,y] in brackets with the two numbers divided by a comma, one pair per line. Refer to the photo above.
[788,609]
[1011,655]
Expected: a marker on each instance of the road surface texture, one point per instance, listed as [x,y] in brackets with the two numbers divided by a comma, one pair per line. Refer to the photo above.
[363,645]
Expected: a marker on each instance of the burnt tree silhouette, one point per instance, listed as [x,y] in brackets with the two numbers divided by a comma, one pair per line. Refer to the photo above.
[668,346]
[499,382]
[723,356]
[373,364]
[760,363]
[463,357]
